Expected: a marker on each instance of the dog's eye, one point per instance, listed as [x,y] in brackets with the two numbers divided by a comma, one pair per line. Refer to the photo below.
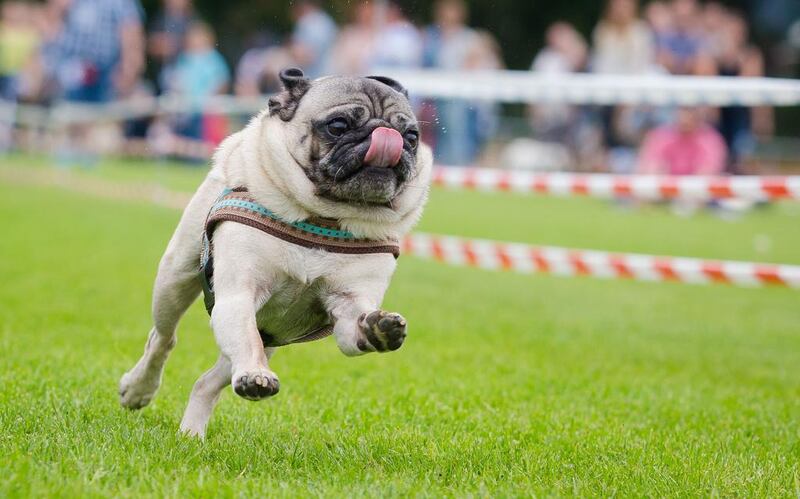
[412,136]
[337,127]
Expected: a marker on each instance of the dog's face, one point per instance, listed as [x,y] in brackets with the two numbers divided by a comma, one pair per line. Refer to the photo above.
[355,138]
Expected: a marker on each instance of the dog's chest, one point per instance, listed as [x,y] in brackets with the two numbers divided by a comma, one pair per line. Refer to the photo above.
[293,310]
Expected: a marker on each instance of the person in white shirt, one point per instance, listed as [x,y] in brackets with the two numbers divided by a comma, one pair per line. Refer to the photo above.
[623,43]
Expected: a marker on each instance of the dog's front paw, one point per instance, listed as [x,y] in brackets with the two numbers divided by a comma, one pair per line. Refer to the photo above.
[383,331]
[136,389]
[256,385]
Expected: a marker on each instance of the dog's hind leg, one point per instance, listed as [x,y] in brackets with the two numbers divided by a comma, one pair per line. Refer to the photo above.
[204,397]
[176,288]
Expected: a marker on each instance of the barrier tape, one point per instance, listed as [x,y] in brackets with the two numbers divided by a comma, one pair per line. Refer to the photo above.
[526,259]
[575,88]
[645,187]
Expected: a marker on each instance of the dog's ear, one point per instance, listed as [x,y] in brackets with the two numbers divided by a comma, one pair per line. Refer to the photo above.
[394,84]
[295,86]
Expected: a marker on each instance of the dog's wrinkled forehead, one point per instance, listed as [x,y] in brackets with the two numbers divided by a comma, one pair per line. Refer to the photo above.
[305,100]
[378,98]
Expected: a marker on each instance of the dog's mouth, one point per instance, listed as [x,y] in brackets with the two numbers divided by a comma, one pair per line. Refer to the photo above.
[365,170]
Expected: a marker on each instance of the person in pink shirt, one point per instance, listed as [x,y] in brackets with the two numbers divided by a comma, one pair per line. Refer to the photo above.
[688,147]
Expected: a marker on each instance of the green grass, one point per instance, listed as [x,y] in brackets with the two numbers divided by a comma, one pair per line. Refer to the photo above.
[176,176]
[509,385]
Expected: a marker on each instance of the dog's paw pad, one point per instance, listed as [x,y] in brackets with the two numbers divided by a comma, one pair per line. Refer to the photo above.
[256,385]
[136,392]
[384,331]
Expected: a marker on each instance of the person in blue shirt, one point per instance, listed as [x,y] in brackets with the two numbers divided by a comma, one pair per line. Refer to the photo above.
[96,57]
[313,36]
[100,49]
[168,34]
[199,73]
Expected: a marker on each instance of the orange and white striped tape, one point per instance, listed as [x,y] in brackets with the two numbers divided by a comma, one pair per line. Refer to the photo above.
[645,187]
[526,259]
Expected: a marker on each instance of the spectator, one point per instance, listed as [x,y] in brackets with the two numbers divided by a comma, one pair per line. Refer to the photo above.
[736,57]
[623,44]
[376,38]
[451,45]
[98,56]
[484,56]
[101,48]
[314,35]
[687,147]
[714,17]
[565,52]
[168,33]
[309,47]
[197,74]
[254,73]
[682,49]
[397,43]
[660,20]
[42,85]
[19,41]
[352,53]
[35,81]
[624,128]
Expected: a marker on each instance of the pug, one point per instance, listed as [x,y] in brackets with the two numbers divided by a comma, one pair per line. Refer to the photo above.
[345,150]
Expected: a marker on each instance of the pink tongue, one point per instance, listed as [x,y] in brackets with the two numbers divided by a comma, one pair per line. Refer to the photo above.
[385,148]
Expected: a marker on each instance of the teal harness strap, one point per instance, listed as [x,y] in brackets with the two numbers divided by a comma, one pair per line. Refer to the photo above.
[256,208]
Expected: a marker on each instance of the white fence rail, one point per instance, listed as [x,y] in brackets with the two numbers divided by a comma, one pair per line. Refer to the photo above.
[659,90]
[498,86]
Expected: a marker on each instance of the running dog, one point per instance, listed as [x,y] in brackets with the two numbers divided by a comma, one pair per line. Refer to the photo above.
[293,235]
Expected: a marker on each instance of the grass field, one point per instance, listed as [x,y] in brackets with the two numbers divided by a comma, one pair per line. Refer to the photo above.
[508,385]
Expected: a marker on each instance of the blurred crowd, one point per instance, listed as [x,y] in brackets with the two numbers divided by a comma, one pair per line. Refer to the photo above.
[97,51]
[681,37]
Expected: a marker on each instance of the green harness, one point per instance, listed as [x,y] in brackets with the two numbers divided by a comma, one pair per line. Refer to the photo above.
[237,205]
